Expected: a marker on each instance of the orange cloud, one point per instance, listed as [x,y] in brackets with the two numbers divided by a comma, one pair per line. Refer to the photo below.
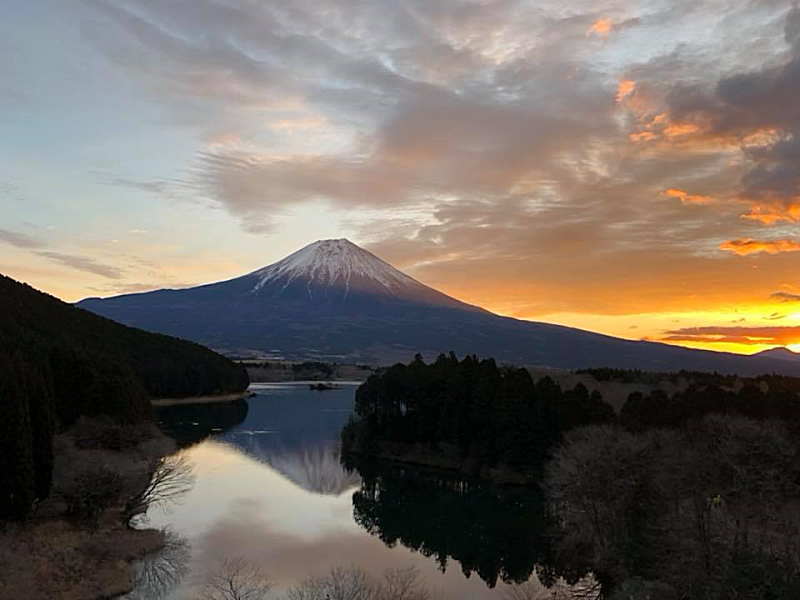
[746,246]
[769,214]
[782,336]
[642,136]
[686,197]
[625,88]
[601,27]
[678,129]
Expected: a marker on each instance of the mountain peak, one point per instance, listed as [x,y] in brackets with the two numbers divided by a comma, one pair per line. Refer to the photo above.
[337,262]
[781,352]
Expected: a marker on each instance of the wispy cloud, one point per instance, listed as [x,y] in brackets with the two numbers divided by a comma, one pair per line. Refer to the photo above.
[20,240]
[736,335]
[747,246]
[82,263]
[785,296]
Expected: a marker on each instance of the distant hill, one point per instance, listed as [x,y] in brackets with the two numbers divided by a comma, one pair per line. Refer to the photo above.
[780,354]
[334,301]
[165,366]
[59,362]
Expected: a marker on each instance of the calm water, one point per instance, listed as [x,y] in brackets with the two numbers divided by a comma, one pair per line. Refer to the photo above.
[269,488]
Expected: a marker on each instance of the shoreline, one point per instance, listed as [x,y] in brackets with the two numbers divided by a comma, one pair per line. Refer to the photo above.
[236,396]
[419,456]
[56,555]
[214,398]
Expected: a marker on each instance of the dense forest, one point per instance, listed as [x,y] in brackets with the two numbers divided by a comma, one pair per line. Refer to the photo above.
[488,415]
[691,494]
[59,362]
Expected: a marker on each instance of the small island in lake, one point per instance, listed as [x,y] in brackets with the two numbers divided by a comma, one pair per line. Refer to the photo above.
[322,386]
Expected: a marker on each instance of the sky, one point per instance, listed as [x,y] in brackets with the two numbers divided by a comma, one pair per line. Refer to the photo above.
[626,167]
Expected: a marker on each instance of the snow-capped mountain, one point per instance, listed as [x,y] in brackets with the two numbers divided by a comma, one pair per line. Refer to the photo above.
[336,263]
[338,270]
[333,300]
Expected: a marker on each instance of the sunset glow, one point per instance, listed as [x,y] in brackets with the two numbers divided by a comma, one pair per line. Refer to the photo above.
[629,169]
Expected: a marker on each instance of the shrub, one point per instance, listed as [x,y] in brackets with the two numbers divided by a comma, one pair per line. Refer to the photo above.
[91,492]
[106,434]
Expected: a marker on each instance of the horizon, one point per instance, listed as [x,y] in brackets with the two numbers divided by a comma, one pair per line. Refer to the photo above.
[629,170]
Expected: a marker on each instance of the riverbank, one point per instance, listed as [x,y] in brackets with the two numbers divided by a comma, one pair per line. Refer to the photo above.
[445,458]
[280,371]
[235,397]
[60,551]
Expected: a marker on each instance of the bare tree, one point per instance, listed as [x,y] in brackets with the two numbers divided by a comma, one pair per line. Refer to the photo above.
[158,573]
[585,589]
[172,477]
[354,584]
[402,584]
[340,583]
[237,580]
[525,591]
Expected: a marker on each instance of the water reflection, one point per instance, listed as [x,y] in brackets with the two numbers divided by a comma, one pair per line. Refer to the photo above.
[189,424]
[158,573]
[317,470]
[497,533]
[270,490]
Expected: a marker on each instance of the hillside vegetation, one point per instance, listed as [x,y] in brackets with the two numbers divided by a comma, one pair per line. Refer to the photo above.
[59,362]
[689,490]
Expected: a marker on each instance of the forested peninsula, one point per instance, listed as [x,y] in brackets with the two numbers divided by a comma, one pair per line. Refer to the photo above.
[499,423]
[684,494]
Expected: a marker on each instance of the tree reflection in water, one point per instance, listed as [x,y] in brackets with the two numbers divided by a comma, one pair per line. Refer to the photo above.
[158,573]
[316,470]
[189,424]
[496,532]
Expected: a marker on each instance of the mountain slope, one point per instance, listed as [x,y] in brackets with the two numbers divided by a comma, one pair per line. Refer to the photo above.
[59,363]
[780,354]
[334,300]
[162,365]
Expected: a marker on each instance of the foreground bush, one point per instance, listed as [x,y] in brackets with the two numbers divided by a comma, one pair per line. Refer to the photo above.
[90,493]
[706,512]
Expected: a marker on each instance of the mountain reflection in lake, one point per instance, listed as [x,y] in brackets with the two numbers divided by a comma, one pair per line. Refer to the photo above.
[270,490]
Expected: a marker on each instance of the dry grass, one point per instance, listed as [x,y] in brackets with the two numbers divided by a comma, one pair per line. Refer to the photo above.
[51,556]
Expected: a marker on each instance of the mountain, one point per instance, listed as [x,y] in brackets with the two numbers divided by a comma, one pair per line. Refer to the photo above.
[779,354]
[333,300]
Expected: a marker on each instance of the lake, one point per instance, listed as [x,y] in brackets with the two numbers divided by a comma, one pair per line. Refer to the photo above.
[269,489]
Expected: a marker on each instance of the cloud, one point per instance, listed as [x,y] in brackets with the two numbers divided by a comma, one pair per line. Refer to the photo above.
[785,297]
[491,147]
[746,246]
[20,240]
[756,111]
[157,187]
[686,197]
[601,27]
[738,335]
[82,263]
[775,316]
[624,89]
[771,214]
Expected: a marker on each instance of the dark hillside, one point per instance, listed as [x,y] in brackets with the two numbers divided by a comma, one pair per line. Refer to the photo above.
[165,366]
[59,362]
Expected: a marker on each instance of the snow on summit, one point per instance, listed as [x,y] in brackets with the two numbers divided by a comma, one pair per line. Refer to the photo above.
[333,262]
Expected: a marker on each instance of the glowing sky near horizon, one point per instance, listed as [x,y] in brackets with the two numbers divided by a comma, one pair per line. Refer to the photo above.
[627,167]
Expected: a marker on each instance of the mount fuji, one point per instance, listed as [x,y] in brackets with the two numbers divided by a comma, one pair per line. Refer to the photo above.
[333,300]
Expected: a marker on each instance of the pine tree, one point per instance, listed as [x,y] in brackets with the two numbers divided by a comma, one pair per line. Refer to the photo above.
[17,480]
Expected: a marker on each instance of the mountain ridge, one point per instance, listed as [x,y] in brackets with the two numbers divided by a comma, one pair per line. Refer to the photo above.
[333,300]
